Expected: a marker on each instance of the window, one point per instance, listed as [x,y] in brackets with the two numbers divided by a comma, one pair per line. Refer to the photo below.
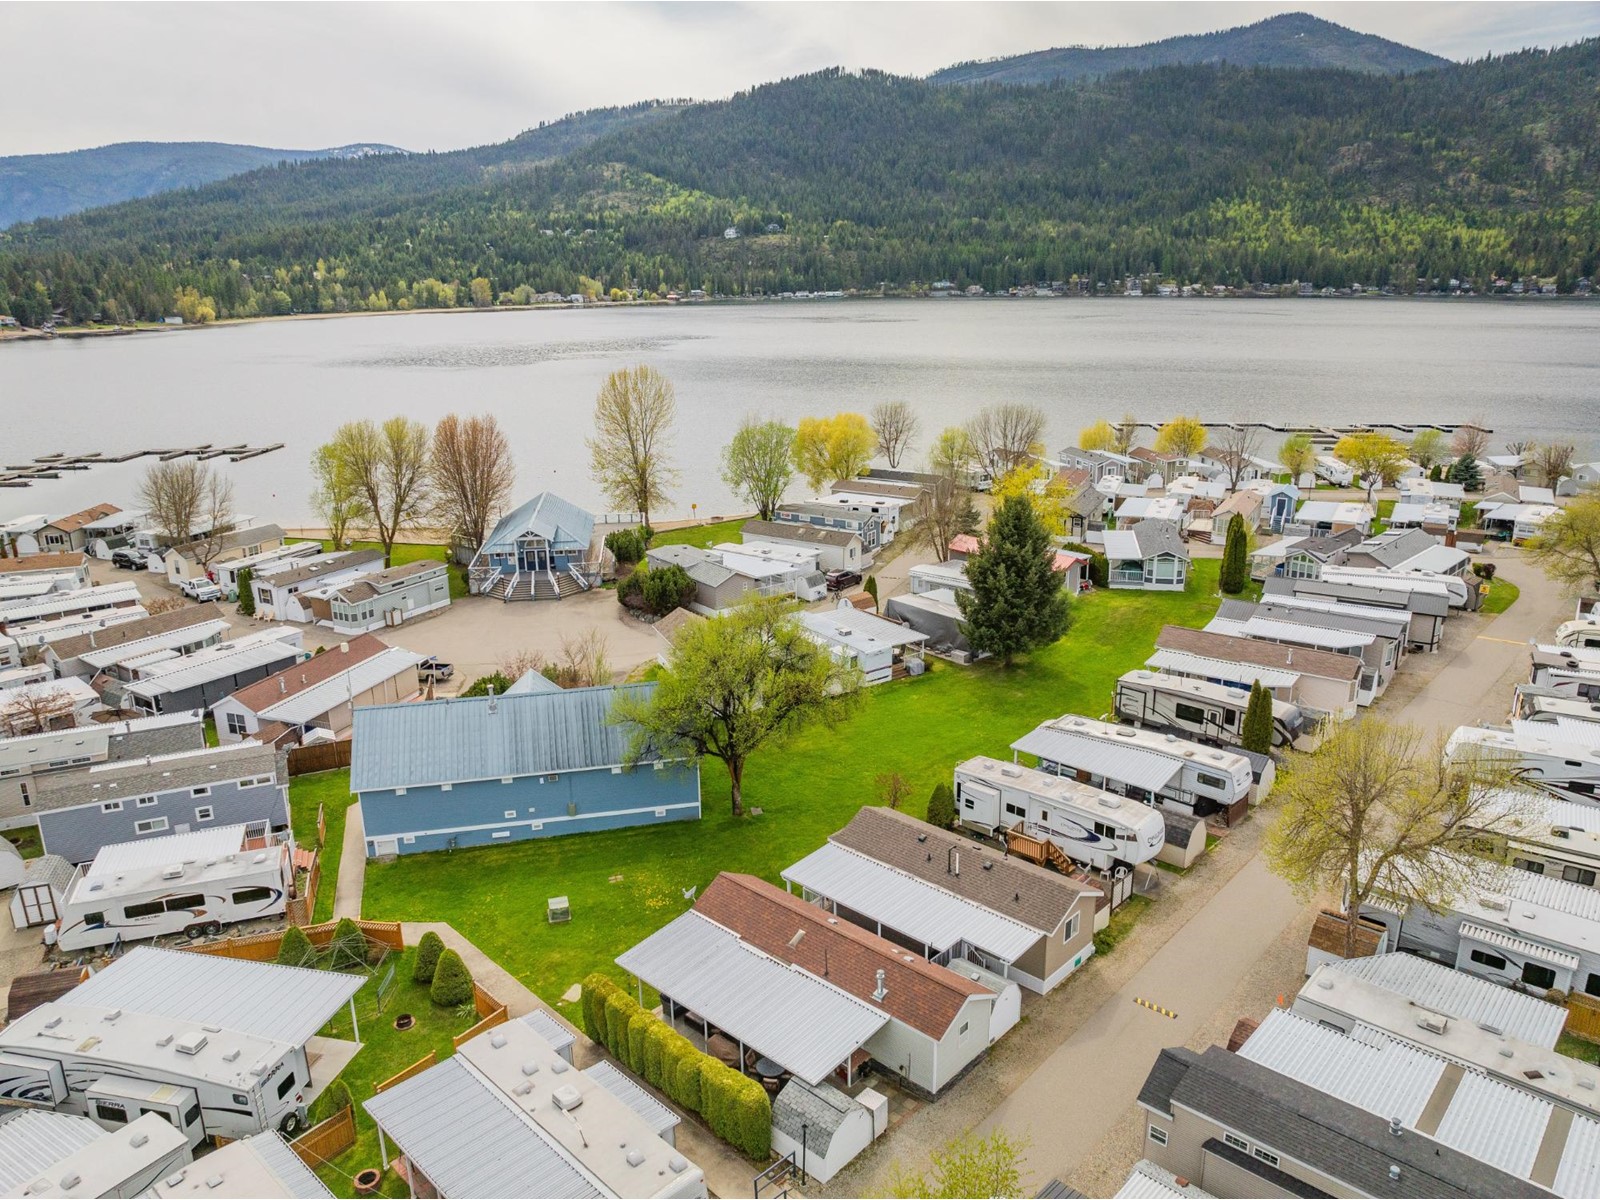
[253,895]
[1535,975]
[150,825]
[1528,864]
[200,791]
[503,833]
[109,1112]
[93,920]
[962,1032]
[1578,875]
[1210,781]
[186,903]
[1484,959]
[236,725]
[256,781]
[111,806]
[134,911]
[1191,714]
[1230,718]
[1592,988]
[1158,1135]
[1015,810]
[510,814]
[145,802]
[445,787]
[193,1115]
[1071,929]
[1266,1156]
[27,800]
[1237,1142]
[286,1086]
[146,1112]
[204,813]
[399,791]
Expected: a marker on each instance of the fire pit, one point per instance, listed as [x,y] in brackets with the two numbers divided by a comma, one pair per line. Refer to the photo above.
[404,1021]
[367,1181]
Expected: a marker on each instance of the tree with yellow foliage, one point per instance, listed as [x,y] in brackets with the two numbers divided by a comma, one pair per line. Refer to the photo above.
[832,448]
[1099,436]
[1183,436]
[1375,457]
[1038,482]
[194,308]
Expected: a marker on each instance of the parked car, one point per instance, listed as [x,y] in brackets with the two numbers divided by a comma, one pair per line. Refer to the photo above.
[200,589]
[839,580]
[435,671]
[128,560]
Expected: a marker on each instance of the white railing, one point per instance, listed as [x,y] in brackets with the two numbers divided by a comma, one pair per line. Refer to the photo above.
[576,571]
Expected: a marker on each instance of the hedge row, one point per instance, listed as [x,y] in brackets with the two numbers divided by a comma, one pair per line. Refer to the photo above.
[735,1106]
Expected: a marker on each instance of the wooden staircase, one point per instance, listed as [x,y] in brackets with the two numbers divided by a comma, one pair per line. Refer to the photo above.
[1042,851]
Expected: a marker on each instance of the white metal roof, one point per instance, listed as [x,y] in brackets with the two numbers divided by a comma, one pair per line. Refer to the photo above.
[32,1141]
[1142,768]
[651,1111]
[550,1029]
[919,910]
[859,631]
[321,697]
[121,519]
[214,662]
[1147,1181]
[783,1012]
[1122,546]
[1527,949]
[1279,548]
[1564,731]
[1181,662]
[104,595]
[1457,994]
[261,1165]
[285,1004]
[189,634]
[1288,631]
[127,857]
[1377,1074]
[1335,512]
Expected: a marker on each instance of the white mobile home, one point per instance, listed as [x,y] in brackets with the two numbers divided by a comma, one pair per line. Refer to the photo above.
[877,646]
[1561,756]
[57,1154]
[1208,710]
[1144,765]
[1088,824]
[1551,836]
[1455,589]
[189,883]
[1333,471]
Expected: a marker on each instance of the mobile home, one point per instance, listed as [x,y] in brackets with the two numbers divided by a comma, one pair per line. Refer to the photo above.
[1561,757]
[1088,824]
[1209,710]
[188,883]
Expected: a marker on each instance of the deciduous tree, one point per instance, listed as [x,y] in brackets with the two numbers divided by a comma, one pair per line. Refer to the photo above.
[943,511]
[1471,438]
[1379,810]
[895,424]
[35,709]
[1037,481]
[628,453]
[1099,436]
[1298,455]
[1567,547]
[1015,602]
[1125,434]
[968,1166]
[733,684]
[1183,436]
[758,463]
[1552,461]
[953,453]
[1427,448]
[473,474]
[184,498]
[1005,436]
[827,449]
[337,495]
[1234,446]
[389,464]
[1376,458]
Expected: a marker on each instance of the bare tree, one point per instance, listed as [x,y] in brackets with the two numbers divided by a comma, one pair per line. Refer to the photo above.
[1471,438]
[35,710]
[942,511]
[895,422]
[164,604]
[184,498]
[473,474]
[1234,446]
[585,660]
[389,464]
[517,663]
[1125,434]
[633,418]
[1518,448]
[1004,436]
[1551,463]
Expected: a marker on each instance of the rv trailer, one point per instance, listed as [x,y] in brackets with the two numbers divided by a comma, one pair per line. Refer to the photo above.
[1584,634]
[188,883]
[1207,710]
[1454,587]
[1529,702]
[1088,825]
[1560,757]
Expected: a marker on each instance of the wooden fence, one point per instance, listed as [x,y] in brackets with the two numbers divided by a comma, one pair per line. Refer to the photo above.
[490,1011]
[299,910]
[324,756]
[263,947]
[416,1068]
[327,1139]
[1583,1017]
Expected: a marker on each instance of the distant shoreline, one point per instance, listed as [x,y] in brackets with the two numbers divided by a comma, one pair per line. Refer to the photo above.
[35,335]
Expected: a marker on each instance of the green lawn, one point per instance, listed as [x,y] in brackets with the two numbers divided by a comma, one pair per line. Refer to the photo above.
[627,883]
[701,535]
[1502,595]
[209,731]
[331,789]
[410,552]
[1576,1047]
[1385,509]
[385,1052]
[26,840]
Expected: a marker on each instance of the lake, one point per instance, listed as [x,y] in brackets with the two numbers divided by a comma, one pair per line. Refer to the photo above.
[1531,368]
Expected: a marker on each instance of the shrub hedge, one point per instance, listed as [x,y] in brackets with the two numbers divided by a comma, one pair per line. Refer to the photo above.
[452,982]
[736,1107]
[296,949]
[429,947]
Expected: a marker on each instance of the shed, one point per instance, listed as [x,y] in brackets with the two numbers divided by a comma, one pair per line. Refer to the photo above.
[39,896]
[1186,838]
[821,1126]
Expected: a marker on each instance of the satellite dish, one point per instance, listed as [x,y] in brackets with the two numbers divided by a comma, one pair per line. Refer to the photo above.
[689,893]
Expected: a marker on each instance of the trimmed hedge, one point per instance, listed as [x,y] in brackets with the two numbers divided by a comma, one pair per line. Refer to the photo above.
[452,982]
[296,949]
[429,947]
[335,1099]
[736,1107]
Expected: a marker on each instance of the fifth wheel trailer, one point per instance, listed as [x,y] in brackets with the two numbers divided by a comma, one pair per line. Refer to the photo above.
[1207,710]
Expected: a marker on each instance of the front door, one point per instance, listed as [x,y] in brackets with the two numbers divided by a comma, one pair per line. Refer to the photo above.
[38,904]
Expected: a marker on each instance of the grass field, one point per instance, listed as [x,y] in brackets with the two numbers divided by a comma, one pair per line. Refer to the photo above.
[330,789]
[26,840]
[701,535]
[625,884]
[410,552]
[1502,595]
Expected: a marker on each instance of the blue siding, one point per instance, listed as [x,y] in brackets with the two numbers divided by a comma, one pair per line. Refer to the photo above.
[470,814]
[77,834]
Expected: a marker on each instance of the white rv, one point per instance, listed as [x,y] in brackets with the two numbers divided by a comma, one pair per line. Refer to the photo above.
[1143,764]
[1456,589]
[1333,471]
[1210,711]
[188,883]
[1089,825]
[1529,702]
[1584,634]
[1550,836]
[1561,756]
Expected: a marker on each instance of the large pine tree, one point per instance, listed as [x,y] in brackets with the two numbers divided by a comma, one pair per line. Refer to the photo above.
[1016,602]
[1235,565]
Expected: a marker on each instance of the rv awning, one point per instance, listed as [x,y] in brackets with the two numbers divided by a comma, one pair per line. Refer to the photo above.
[1180,662]
[1127,764]
[1516,945]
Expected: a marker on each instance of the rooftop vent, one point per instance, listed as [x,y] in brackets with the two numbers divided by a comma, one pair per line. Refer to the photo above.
[677,1163]
[1396,1127]
[530,1068]
[567,1098]
[559,1067]
[139,1139]
[191,1043]
[636,1157]
[498,1041]
[112,1015]
[879,992]
[1432,1022]
[1394,1172]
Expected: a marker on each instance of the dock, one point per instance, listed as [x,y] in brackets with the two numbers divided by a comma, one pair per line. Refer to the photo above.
[50,466]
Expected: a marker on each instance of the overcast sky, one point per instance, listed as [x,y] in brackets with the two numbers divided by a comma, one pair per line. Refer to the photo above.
[441,76]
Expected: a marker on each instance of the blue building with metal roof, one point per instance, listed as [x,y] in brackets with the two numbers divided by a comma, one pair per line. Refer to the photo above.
[537,551]
[447,774]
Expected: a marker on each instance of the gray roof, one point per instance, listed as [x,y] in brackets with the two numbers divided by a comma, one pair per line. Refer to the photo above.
[560,522]
[33,1141]
[282,1004]
[51,869]
[655,1114]
[781,1011]
[160,773]
[1326,1134]
[1396,546]
[1151,538]
[784,531]
[1272,607]
[454,741]
[550,1029]
[235,539]
[1456,994]
[128,631]
[1129,764]
[469,1141]
[818,1110]
[323,564]
[1409,601]
[696,563]
[534,681]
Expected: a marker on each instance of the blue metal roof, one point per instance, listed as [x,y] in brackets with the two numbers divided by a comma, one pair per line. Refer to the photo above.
[563,524]
[455,741]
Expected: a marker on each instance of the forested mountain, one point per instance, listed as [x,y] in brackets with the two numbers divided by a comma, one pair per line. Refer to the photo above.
[53,185]
[1286,40]
[1213,174]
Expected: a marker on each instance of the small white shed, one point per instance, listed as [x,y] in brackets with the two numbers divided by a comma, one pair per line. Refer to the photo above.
[821,1126]
[12,865]
[40,894]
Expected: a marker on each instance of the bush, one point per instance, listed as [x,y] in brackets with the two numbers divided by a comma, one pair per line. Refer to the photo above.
[247,594]
[630,591]
[870,587]
[942,806]
[619,1011]
[481,685]
[452,982]
[296,949]
[686,1077]
[428,951]
[1483,570]
[638,1029]
[627,545]
[1099,568]
[348,947]
[597,989]
[335,1099]
[666,588]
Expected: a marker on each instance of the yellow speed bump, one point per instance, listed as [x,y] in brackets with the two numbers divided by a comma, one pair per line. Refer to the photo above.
[1155,1008]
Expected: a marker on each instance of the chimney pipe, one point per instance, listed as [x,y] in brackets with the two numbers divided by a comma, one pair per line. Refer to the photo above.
[881,991]
[493,707]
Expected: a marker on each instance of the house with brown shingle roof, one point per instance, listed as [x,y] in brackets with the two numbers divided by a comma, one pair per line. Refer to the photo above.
[68,533]
[64,656]
[1320,682]
[939,1021]
[323,692]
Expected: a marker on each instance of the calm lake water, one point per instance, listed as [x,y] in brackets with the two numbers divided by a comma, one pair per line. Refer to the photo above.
[1533,369]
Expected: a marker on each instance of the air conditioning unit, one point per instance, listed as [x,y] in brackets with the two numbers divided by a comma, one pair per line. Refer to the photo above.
[567,1097]
[172,872]
[190,1043]
[1433,1022]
